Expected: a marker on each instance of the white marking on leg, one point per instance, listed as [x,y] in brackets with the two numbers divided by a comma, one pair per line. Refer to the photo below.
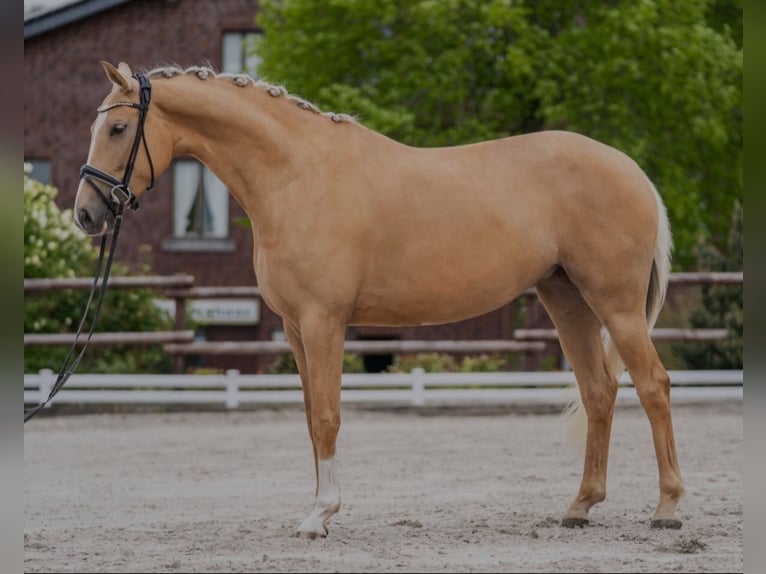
[327,501]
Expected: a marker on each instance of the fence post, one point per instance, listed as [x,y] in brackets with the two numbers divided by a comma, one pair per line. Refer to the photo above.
[179,325]
[418,387]
[47,378]
[232,389]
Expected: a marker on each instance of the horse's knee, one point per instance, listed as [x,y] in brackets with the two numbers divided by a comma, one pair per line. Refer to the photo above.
[325,421]
[324,430]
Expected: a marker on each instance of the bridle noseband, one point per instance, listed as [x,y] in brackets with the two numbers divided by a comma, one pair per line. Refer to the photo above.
[120,193]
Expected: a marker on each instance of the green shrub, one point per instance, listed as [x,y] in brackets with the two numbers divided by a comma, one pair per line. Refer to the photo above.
[483,364]
[353,363]
[285,364]
[722,306]
[429,362]
[443,363]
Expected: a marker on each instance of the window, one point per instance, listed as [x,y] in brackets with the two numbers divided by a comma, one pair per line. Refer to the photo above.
[237,53]
[200,202]
[200,210]
[41,170]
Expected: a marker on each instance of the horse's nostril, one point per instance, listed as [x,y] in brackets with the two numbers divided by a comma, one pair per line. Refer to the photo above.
[85,218]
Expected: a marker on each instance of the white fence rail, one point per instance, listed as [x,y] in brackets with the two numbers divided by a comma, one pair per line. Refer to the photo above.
[415,388]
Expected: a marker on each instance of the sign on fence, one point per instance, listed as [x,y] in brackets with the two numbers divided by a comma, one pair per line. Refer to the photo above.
[218,311]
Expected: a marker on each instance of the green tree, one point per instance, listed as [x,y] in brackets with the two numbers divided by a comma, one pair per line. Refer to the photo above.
[726,17]
[54,247]
[658,79]
[425,72]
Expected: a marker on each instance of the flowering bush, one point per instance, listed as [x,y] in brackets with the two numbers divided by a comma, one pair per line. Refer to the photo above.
[55,247]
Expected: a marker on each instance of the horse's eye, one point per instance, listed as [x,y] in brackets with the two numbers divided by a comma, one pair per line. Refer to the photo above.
[117,129]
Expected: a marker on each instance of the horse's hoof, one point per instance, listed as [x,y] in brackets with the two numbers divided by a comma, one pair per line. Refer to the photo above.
[672,523]
[574,522]
[310,534]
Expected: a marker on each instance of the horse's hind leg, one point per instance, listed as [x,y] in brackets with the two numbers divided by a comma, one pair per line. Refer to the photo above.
[579,334]
[630,334]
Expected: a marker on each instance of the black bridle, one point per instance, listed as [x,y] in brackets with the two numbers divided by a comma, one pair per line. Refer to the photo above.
[119,198]
[120,194]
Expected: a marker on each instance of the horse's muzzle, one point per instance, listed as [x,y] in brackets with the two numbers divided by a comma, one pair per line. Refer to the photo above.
[93,221]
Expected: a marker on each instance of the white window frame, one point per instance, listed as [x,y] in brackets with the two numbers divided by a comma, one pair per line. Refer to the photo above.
[234,60]
[200,202]
[200,209]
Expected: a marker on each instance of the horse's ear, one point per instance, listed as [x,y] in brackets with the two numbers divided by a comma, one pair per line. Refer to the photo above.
[118,76]
[125,70]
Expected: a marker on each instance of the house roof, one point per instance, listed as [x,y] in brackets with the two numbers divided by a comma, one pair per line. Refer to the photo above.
[41,16]
[36,6]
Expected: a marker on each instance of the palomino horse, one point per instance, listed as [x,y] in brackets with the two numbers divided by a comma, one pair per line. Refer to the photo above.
[352,228]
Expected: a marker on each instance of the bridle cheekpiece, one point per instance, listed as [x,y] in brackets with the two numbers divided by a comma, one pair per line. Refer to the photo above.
[120,194]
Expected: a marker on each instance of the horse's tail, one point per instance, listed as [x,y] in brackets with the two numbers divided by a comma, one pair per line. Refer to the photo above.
[655,297]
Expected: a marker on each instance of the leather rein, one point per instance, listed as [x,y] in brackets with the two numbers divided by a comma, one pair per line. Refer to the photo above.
[120,197]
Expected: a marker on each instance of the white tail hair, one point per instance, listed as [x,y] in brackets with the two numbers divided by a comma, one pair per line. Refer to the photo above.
[655,298]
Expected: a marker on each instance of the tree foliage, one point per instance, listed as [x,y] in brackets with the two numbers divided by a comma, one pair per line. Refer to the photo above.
[659,79]
[54,247]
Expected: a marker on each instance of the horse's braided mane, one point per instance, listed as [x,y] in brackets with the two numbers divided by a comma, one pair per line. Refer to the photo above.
[244,80]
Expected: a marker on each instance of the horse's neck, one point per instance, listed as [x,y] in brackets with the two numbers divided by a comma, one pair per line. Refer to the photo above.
[253,142]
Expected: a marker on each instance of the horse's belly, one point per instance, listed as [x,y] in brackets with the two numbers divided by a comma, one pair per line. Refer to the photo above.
[446,292]
[424,312]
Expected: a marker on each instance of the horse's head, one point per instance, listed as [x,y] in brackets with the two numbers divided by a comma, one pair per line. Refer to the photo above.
[119,166]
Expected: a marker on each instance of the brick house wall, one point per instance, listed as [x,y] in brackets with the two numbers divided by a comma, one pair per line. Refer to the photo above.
[63,85]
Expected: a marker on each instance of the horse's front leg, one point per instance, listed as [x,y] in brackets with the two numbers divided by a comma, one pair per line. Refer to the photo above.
[294,338]
[323,337]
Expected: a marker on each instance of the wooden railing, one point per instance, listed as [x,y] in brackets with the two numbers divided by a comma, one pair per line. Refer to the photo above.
[363,347]
[82,283]
[180,340]
[159,283]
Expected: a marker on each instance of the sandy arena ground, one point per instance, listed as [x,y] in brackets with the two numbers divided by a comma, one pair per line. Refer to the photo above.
[218,492]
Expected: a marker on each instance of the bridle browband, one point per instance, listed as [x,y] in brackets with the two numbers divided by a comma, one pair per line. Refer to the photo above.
[122,196]
[120,193]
